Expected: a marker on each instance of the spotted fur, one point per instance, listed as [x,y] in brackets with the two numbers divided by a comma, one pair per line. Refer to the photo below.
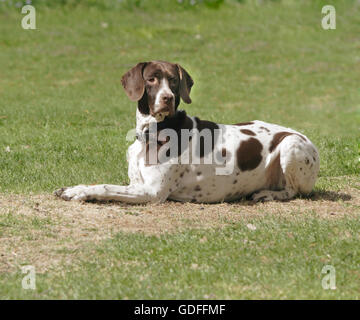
[271,162]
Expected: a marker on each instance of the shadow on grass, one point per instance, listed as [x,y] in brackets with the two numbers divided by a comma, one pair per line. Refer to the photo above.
[328,196]
[313,196]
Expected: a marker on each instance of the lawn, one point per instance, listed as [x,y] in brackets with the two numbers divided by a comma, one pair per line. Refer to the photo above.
[63,121]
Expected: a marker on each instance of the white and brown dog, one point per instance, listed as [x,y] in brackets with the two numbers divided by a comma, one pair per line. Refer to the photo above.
[268,161]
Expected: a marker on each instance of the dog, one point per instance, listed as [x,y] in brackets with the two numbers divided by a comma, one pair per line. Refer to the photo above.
[269,162]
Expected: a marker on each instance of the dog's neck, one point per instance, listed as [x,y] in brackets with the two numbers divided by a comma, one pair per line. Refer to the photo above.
[143,121]
[178,121]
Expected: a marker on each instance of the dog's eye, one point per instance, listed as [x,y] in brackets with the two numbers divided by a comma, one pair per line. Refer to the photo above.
[152,80]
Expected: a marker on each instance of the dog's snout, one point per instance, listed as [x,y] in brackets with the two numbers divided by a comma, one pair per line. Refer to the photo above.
[167,98]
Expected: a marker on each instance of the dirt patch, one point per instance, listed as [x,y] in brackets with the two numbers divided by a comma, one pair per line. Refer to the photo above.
[44,231]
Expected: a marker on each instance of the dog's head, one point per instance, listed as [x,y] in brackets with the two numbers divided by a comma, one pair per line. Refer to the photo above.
[158,87]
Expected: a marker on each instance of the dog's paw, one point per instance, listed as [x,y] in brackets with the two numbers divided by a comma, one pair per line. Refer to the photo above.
[262,196]
[72,193]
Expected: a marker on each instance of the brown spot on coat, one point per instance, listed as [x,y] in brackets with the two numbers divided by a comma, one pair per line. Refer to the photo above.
[278,137]
[274,175]
[249,154]
[243,123]
[224,155]
[197,188]
[248,132]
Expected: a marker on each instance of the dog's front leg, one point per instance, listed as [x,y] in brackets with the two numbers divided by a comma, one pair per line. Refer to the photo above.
[136,193]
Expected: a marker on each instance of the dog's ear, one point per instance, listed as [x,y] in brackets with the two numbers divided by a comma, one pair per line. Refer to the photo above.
[186,82]
[133,82]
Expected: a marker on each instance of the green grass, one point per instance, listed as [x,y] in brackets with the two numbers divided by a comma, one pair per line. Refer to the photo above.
[64,116]
[282,258]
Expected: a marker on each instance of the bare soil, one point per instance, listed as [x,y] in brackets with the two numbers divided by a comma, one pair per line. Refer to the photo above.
[44,231]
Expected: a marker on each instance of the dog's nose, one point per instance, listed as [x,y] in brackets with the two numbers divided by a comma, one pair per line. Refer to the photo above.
[167,98]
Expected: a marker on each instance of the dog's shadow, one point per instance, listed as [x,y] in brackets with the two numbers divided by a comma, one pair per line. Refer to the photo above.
[320,195]
[328,196]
